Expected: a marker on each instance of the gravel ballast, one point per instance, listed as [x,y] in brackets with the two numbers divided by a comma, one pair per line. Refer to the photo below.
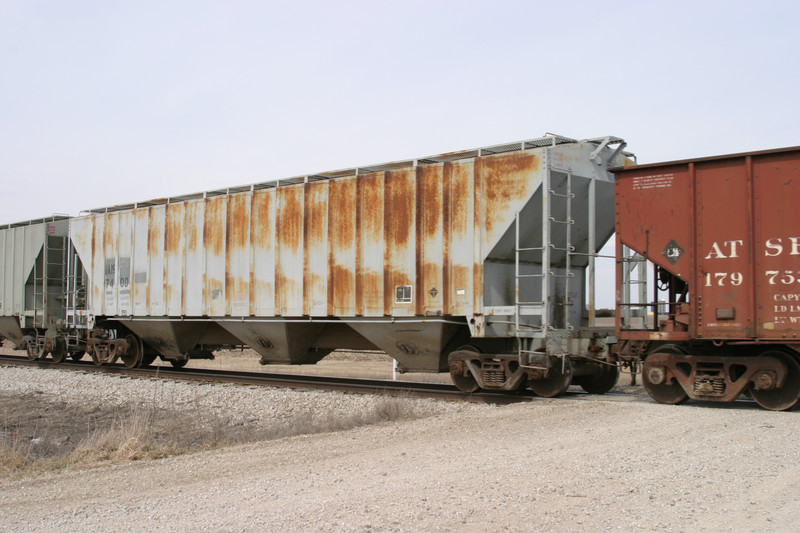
[548,465]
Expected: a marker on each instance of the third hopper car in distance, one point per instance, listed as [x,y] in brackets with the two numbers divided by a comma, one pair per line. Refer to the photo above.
[709,277]
[478,262]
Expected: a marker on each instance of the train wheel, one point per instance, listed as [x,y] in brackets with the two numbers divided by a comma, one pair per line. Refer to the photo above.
[464,383]
[148,358]
[668,393]
[603,381]
[77,356]
[787,396]
[59,351]
[133,355]
[557,381]
[178,363]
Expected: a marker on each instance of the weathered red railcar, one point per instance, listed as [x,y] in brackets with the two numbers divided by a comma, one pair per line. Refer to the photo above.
[708,276]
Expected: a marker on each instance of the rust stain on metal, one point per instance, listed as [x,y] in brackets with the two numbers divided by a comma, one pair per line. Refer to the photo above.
[342,231]
[460,196]
[193,231]
[290,245]
[238,222]
[344,281]
[317,212]
[305,306]
[478,237]
[506,180]
[214,227]
[263,237]
[359,286]
[173,246]
[80,239]
[316,288]
[372,287]
[291,217]
[446,172]
[399,227]
[370,219]
[174,228]
[155,246]
[236,288]
[418,248]
[387,274]
[109,236]
[93,245]
[251,279]
[461,202]
[430,209]
[262,227]
[316,241]
[429,184]
[238,239]
[153,233]
[399,209]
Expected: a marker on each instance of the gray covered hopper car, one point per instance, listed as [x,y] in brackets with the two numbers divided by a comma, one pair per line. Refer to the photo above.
[473,262]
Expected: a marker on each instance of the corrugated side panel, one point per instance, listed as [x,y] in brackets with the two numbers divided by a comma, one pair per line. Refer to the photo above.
[125,263]
[724,256]
[316,243]
[141,262]
[776,216]
[343,228]
[290,260]
[110,249]
[156,260]
[460,195]
[401,236]
[194,270]
[215,242]
[371,250]
[403,242]
[238,255]
[174,258]
[431,244]
[264,219]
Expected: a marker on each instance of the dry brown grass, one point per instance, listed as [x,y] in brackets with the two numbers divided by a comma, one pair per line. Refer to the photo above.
[58,437]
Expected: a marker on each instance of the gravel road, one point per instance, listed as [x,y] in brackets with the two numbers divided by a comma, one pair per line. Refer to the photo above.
[588,464]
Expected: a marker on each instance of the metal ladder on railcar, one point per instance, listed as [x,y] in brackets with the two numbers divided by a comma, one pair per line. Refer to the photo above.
[633,261]
[75,296]
[554,337]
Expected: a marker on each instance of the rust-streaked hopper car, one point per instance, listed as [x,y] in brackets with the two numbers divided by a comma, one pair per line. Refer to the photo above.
[718,240]
[471,262]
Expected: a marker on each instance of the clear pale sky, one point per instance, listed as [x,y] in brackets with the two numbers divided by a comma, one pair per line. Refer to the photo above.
[109,102]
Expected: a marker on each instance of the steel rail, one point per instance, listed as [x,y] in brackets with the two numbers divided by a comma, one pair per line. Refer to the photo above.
[437,391]
[269,379]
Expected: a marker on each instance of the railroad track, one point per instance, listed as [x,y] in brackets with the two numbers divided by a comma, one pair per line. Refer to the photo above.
[333,383]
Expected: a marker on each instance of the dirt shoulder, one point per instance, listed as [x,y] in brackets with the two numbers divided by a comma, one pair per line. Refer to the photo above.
[548,465]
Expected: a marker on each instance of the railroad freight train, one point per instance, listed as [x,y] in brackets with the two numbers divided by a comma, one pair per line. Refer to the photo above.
[480,263]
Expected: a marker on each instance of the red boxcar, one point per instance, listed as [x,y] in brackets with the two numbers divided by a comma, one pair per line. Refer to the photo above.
[708,276]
